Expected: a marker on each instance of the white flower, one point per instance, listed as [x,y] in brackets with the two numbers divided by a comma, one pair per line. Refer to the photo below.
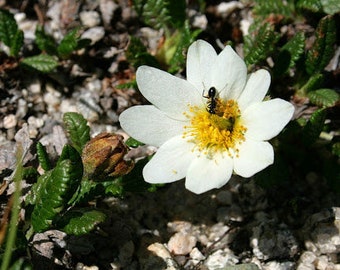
[209,126]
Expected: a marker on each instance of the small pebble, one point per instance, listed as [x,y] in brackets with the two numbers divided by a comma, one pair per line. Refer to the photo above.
[89,18]
[94,34]
[10,121]
[181,243]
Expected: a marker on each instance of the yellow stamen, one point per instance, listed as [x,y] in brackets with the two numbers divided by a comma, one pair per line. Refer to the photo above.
[219,132]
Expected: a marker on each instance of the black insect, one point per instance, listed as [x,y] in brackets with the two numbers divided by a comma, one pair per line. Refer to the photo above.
[212,100]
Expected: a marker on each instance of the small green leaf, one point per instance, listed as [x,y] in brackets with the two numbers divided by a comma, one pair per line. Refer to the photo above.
[82,221]
[260,44]
[10,35]
[336,149]
[324,97]
[42,62]
[330,6]
[314,126]
[313,83]
[138,55]
[133,143]
[311,5]
[77,129]
[69,43]
[44,41]
[43,158]
[290,53]
[323,48]
[265,8]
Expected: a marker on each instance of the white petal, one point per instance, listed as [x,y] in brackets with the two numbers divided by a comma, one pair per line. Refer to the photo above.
[229,74]
[170,163]
[149,125]
[167,92]
[200,59]
[253,157]
[256,88]
[205,174]
[264,120]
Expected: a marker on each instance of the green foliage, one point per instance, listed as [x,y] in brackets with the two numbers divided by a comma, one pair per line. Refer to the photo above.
[161,14]
[81,221]
[70,43]
[324,97]
[10,35]
[313,83]
[44,63]
[77,129]
[290,53]
[138,55]
[265,8]
[336,149]
[45,42]
[259,44]
[131,142]
[55,189]
[43,158]
[314,126]
[322,51]
[330,6]
[311,5]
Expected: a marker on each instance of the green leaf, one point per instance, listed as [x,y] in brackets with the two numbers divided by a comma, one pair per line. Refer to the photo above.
[42,62]
[35,193]
[69,43]
[10,35]
[260,44]
[313,83]
[138,55]
[57,189]
[323,48]
[330,6]
[77,129]
[44,41]
[265,8]
[133,143]
[311,5]
[290,53]
[324,97]
[314,126]
[43,158]
[336,149]
[82,221]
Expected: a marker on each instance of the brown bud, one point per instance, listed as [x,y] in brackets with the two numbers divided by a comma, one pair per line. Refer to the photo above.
[103,156]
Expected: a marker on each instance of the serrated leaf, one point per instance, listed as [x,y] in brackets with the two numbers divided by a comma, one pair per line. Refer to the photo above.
[42,62]
[43,158]
[330,6]
[311,5]
[44,41]
[69,43]
[324,97]
[265,8]
[83,221]
[16,43]
[313,83]
[260,45]
[323,48]
[290,53]
[314,126]
[58,189]
[77,130]
[138,55]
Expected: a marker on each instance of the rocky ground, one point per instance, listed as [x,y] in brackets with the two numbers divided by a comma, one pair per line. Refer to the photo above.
[242,226]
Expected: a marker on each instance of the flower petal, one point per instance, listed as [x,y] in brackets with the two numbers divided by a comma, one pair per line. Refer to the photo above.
[201,58]
[205,174]
[170,163]
[253,157]
[255,90]
[229,74]
[168,93]
[149,125]
[264,120]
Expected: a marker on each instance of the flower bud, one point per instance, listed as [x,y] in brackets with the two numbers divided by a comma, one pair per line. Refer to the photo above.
[103,156]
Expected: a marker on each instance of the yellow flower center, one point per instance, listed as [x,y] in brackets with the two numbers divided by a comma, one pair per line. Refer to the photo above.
[218,132]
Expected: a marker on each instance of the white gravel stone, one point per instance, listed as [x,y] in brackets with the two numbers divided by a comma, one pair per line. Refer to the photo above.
[89,18]
[10,121]
[94,34]
[181,243]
